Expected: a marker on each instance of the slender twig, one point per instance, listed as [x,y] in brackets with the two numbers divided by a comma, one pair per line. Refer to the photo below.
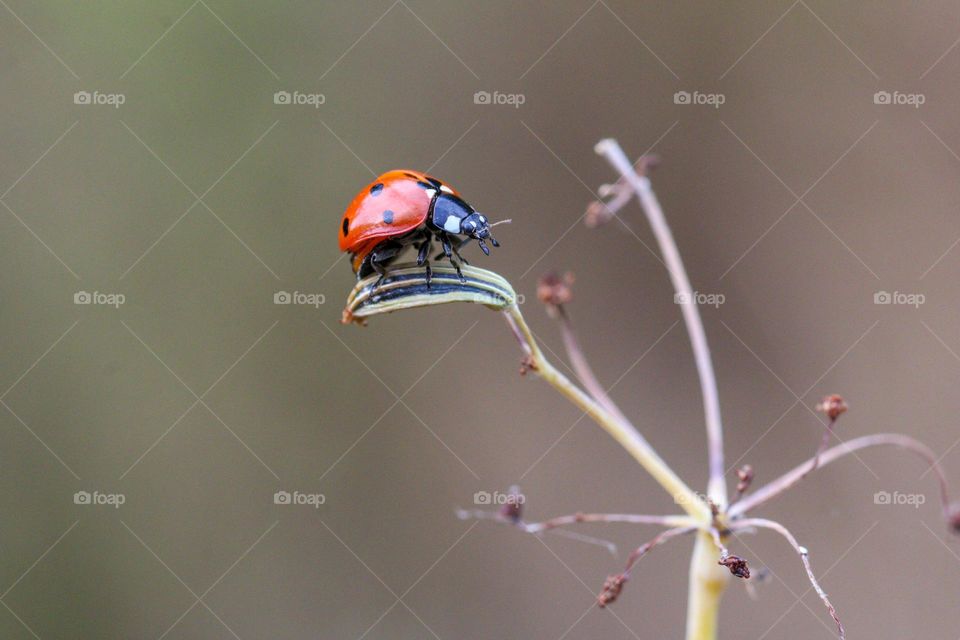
[664,521]
[611,150]
[480,514]
[583,369]
[552,525]
[824,441]
[659,539]
[614,584]
[718,541]
[763,523]
[789,479]
[629,438]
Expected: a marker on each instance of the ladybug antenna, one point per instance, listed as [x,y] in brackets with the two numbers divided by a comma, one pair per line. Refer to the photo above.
[507,221]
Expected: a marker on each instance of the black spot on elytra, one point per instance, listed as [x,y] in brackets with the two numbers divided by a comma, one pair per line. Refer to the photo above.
[346,226]
[388,216]
[424,185]
[411,175]
[376,189]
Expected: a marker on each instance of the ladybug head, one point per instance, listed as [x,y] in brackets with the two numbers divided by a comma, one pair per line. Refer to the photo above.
[476,226]
[454,215]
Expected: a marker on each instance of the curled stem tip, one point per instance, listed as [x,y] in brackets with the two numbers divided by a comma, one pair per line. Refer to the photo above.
[406,287]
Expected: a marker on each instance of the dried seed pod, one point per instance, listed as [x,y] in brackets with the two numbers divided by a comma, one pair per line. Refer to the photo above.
[833,406]
[555,290]
[612,587]
[736,565]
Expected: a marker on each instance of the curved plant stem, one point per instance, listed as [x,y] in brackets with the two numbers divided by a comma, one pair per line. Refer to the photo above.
[583,369]
[804,556]
[610,149]
[629,438]
[659,539]
[791,478]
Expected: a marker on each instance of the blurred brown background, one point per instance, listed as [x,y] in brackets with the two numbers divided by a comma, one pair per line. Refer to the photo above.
[798,199]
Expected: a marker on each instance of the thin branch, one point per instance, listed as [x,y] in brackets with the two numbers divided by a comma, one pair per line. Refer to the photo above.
[611,150]
[763,523]
[619,194]
[614,584]
[480,514]
[789,479]
[718,542]
[659,539]
[824,441]
[833,406]
[583,369]
[628,437]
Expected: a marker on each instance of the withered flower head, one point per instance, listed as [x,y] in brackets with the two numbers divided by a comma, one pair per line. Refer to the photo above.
[832,405]
[745,477]
[555,290]
[612,587]
[737,565]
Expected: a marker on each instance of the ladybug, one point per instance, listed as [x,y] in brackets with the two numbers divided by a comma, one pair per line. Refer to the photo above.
[404,208]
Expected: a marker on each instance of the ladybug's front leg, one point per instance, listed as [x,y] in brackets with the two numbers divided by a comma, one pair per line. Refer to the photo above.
[448,252]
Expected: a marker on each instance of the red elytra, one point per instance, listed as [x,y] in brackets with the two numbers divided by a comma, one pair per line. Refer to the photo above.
[394,204]
[404,208]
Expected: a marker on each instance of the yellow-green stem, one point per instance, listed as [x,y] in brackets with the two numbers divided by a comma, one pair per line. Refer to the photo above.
[708,580]
[628,438]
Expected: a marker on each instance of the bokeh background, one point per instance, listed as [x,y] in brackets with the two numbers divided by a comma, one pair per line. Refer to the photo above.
[798,200]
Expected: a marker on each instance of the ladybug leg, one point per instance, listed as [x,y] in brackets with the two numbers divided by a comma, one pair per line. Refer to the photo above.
[448,252]
[423,257]
[456,249]
[381,257]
